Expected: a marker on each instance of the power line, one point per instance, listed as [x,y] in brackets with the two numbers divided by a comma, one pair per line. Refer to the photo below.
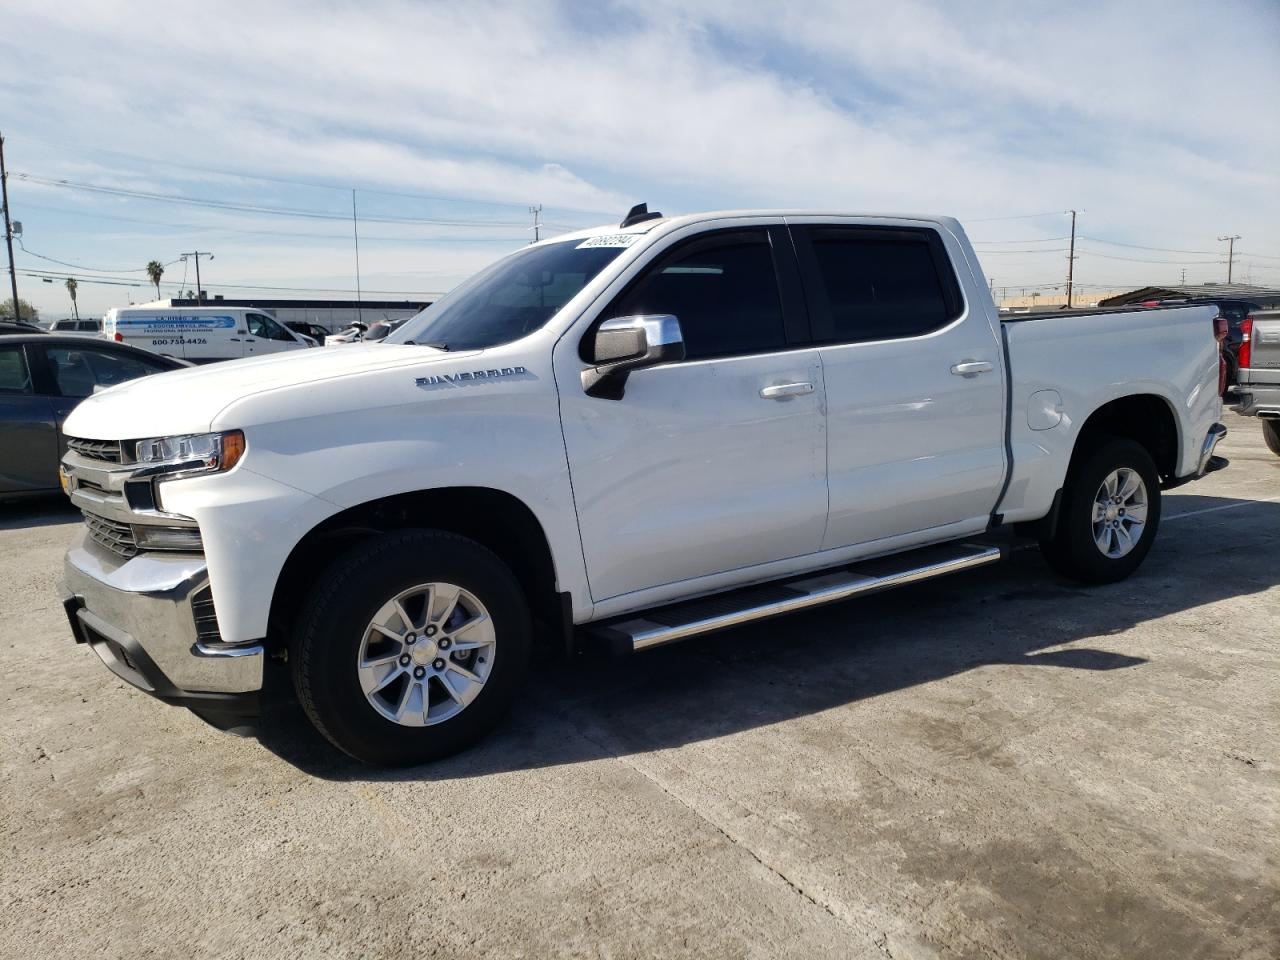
[1231,252]
[1020,216]
[130,282]
[1071,257]
[198,254]
[80,266]
[8,232]
[252,207]
[355,233]
[312,184]
[1135,246]
[987,243]
[213,228]
[1002,253]
[1112,256]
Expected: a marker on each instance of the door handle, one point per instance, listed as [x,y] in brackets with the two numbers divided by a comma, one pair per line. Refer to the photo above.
[785,391]
[971,368]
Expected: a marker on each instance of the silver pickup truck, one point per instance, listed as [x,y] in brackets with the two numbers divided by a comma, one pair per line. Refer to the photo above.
[1257,390]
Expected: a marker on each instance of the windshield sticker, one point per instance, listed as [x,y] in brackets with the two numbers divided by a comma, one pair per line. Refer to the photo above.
[610,240]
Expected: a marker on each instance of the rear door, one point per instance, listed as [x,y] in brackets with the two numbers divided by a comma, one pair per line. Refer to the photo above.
[28,440]
[914,377]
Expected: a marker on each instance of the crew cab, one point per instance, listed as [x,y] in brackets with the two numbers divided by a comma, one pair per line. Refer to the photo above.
[616,439]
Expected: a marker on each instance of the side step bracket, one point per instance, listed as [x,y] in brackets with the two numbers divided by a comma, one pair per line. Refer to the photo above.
[720,611]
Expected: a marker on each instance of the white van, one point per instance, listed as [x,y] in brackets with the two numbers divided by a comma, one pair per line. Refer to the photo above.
[202,334]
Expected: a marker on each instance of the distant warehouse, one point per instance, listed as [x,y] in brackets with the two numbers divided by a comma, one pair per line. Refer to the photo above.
[1265,297]
[333,315]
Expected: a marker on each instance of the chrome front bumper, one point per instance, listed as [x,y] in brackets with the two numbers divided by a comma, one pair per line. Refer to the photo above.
[137,616]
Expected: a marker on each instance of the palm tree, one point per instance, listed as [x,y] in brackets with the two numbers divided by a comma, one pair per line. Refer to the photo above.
[71,289]
[155,270]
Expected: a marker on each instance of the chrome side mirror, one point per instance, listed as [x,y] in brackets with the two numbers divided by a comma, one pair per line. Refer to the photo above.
[624,344]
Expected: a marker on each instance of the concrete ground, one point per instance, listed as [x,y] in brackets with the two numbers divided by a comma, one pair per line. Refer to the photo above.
[1001,764]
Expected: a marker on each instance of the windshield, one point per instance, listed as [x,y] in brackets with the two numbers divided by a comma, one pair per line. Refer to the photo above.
[509,300]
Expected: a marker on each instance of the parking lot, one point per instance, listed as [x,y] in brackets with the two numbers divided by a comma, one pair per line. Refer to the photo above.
[997,764]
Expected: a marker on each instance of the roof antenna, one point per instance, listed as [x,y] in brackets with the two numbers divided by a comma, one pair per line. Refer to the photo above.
[639,214]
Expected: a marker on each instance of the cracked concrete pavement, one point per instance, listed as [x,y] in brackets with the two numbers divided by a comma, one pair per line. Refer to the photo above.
[1000,764]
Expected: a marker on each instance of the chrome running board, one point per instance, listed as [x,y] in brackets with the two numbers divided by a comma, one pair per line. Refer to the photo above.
[721,611]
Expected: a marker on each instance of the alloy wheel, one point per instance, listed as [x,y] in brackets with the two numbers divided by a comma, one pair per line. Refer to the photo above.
[426,654]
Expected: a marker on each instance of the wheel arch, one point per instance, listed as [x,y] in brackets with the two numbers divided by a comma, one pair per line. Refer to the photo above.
[1148,419]
[497,520]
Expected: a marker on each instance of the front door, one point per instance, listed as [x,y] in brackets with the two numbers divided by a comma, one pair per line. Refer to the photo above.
[266,335]
[716,463]
[915,390]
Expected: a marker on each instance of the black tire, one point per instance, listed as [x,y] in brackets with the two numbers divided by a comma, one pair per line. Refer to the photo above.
[1271,435]
[1072,551]
[328,636]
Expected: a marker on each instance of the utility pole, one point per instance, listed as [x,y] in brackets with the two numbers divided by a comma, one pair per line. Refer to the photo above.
[1230,254]
[537,224]
[198,254]
[1071,257]
[1184,276]
[8,232]
[355,232]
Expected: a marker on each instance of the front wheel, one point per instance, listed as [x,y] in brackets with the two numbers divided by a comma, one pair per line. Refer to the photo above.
[1271,434]
[411,647]
[1109,513]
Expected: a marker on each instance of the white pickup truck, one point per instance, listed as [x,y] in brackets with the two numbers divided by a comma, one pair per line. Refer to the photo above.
[622,437]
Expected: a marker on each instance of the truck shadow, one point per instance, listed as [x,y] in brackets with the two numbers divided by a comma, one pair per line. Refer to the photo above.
[1018,613]
[44,510]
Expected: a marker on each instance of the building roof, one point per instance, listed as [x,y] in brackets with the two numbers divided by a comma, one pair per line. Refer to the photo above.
[1263,296]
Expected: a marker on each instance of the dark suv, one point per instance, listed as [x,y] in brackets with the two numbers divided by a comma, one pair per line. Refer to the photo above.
[1234,311]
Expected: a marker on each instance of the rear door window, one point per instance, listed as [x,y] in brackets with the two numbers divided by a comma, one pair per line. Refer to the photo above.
[876,283]
[14,375]
[79,372]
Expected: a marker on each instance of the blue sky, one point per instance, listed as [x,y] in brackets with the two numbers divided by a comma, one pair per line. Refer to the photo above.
[1157,120]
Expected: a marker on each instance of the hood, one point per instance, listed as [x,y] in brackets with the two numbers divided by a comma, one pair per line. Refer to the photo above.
[188,401]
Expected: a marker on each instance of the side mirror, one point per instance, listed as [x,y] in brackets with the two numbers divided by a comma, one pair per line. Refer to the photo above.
[624,344]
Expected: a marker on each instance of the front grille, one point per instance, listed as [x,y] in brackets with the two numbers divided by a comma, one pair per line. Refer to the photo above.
[106,450]
[205,616]
[112,534]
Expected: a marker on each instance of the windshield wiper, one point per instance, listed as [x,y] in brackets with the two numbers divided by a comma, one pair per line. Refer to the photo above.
[438,346]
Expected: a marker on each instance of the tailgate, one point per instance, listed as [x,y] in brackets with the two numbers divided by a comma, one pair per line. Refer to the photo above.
[1264,350]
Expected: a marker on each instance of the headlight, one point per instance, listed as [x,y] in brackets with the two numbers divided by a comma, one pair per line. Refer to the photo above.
[192,453]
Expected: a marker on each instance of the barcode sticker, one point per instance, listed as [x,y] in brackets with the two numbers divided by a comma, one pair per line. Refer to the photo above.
[610,240]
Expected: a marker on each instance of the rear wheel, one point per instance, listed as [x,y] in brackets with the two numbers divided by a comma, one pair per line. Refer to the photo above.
[411,647]
[1271,434]
[1109,513]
